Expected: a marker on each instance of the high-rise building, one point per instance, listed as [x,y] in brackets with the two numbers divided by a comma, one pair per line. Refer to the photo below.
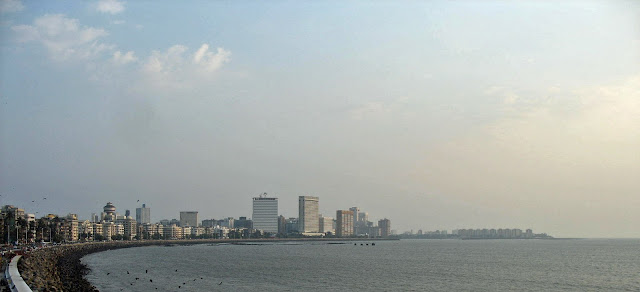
[385,227]
[344,223]
[265,213]
[209,223]
[243,222]
[362,224]
[228,222]
[528,233]
[189,218]
[354,224]
[143,215]
[291,225]
[109,213]
[130,230]
[308,214]
[326,224]
[282,225]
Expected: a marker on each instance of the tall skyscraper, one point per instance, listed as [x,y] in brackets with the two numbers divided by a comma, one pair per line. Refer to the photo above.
[143,215]
[361,225]
[355,211]
[385,227]
[189,218]
[308,214]
[265,213]
[282,225]
[344,223]
[326,224]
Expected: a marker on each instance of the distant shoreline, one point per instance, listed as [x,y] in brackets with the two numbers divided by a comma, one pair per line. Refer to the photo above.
[59,268]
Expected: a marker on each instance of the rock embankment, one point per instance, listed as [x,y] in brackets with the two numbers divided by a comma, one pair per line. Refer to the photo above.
[59,268]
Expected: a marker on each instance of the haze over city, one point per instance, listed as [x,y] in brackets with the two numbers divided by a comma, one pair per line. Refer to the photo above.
[438,115]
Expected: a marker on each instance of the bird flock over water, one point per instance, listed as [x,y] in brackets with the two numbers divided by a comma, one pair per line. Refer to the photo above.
[141,280]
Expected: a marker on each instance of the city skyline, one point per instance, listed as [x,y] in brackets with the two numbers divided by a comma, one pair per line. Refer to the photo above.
[111,225]
[438,114]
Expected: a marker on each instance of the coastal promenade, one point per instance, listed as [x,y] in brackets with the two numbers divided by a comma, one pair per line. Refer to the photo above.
[15,281]
[59,268]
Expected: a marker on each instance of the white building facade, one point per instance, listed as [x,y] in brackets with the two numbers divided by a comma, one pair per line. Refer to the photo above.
[308,219]
[265,213]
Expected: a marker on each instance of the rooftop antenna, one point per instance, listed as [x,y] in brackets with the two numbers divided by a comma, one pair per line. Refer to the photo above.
[263,195]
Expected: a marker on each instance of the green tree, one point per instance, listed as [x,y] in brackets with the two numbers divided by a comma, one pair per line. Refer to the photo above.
[58,238]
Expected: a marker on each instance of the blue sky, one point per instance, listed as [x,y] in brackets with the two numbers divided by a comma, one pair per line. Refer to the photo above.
[438,115]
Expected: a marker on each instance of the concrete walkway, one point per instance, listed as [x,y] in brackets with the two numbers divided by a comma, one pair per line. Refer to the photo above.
[16,283]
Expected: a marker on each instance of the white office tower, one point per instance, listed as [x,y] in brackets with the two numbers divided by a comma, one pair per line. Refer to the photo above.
[265,213]
[189,218]
[143,215]
[308,214]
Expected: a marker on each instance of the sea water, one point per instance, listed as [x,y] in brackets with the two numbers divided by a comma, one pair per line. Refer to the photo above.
[404,265]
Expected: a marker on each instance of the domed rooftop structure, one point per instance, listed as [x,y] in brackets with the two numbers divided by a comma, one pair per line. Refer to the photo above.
[110,208]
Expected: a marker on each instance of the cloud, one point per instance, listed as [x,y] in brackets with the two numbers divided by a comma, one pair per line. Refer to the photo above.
[7,6]
[120,58]
[63,37]
[110,6]
[209,61]
[177,68]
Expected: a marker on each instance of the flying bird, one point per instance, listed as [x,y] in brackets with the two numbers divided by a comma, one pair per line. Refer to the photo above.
[220,283]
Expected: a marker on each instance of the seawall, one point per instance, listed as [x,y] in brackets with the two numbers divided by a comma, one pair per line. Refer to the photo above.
[59,268]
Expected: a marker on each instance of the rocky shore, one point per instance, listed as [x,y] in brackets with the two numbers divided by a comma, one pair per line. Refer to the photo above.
[59,268]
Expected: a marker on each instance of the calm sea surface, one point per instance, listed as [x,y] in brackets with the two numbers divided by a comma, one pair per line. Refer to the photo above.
[405,265]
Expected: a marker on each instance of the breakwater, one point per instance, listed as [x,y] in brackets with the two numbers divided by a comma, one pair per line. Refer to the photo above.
[59,268]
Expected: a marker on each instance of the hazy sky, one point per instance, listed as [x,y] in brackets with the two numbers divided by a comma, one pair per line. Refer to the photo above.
[436,115]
